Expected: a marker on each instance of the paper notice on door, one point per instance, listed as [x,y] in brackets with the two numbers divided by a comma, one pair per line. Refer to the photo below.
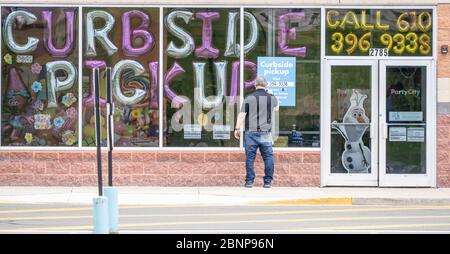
[192,131]
[406,116]
[416,134]
[221,132]
[397,134]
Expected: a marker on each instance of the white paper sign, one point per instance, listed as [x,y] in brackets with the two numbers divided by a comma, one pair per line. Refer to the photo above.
[192,131]
[221,132]
[416,134]
[397,134]
[406,116]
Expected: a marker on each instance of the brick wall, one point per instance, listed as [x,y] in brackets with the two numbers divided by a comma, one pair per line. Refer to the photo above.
[443,117]
[56,168]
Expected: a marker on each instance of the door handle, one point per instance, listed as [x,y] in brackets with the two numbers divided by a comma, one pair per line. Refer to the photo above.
[371,129]
[385,130]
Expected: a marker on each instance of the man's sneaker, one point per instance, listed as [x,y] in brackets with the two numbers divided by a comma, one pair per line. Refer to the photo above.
[248,185]
[267,185]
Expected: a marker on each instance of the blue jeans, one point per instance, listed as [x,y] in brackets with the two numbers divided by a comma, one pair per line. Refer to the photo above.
[252,141]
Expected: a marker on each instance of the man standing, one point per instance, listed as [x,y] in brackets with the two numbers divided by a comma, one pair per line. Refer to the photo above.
[257,112]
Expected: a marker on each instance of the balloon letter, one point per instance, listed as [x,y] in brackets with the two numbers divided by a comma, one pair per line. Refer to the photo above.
[291,33]
[8,32]
[199,93]
[206,50]
[48,34]
[140,32]
[55,84]
[174,71]
[235,78]
[186,38]
[153,66]
[122,65]
[100,34]
[233,48]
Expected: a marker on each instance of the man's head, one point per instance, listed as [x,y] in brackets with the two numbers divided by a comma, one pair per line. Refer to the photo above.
[260,83]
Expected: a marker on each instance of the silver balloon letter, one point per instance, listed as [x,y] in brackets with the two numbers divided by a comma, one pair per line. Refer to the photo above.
[100,34]
[138,69]
[8,36]
[55,84]
[232,47]
[188,42]
[199,90]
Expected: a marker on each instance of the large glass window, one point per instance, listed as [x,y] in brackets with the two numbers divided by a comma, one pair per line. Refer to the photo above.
[357,32]
[127,40]
[201,86]
[283,33]
[39,76]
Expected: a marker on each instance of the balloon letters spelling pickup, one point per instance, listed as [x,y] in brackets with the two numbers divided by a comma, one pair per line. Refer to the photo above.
[8,36]
[289,33]
[188,42]
[140,32]
[55,84]
[48,34]
[100,34]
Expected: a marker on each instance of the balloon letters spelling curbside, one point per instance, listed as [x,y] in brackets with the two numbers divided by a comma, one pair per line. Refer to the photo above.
[8,36]
[188,42]
[55,84]
[140,32]
[289,33]
[100,34]
[48,34]
[122,65]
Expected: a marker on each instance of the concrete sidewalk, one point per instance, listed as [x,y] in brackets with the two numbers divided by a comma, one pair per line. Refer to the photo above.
[232,195]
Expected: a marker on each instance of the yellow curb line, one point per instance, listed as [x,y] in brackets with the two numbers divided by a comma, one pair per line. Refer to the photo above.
[309,201]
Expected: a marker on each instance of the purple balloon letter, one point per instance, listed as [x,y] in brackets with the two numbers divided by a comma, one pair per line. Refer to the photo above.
[174,71]
[153,66]
[289,33]
[140,32]
[206,50]
[48,34]
[235,78]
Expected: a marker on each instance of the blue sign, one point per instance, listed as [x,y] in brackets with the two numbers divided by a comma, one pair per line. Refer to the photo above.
[279,73]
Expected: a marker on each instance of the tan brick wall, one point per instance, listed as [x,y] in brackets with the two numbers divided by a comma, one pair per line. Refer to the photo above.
[161,168]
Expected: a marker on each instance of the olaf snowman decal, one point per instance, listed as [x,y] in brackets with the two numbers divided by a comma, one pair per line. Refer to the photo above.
[356,156]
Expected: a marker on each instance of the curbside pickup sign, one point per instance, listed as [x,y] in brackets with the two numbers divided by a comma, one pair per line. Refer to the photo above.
[279,73]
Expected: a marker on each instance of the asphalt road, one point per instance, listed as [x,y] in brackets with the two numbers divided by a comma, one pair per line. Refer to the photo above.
[57,218]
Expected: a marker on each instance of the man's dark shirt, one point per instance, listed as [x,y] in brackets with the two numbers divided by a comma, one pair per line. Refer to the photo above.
[258,107]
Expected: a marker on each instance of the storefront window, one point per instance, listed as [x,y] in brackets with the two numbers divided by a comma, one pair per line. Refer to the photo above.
[201,87]
[127,40]
[39,76]
[359,32]
[283,34]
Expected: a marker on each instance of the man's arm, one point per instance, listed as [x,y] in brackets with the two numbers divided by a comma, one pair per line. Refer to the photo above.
[239,121]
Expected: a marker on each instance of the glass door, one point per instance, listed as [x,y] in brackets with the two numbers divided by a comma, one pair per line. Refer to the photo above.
[350,117]
[406,136]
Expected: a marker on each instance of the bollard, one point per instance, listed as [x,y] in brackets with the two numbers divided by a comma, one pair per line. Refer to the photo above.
[101,215]
[113,209]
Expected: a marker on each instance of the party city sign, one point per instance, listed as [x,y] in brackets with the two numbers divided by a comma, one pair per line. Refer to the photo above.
[279,73]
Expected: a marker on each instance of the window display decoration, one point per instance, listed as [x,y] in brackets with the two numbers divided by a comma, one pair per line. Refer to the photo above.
[39,70]
[124,39]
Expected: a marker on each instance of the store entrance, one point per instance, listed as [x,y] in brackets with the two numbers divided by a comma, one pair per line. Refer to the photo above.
[377,117]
